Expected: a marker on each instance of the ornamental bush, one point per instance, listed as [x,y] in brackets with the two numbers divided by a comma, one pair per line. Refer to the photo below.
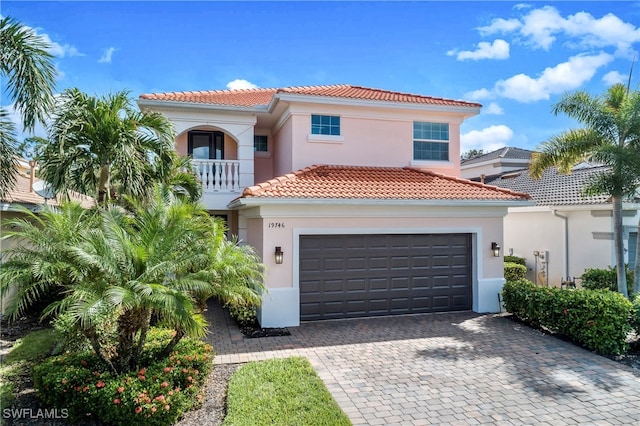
[243,313]
[515,259]
[597,319]
[514,271]
[605,279]
[157,394]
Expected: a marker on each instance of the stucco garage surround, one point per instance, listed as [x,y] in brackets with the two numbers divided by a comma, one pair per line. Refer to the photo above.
[458,234]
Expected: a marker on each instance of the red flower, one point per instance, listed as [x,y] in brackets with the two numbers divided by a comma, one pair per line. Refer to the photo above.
[184,370]
[167,407]
[142,372]
[120,389]
[196,372]
[164,384]
[83,362]
[167,369]
[153,409]
[159,398]
[564,312]
[100,384]
[142,378]
[138,409]
[189,379]
[116,401]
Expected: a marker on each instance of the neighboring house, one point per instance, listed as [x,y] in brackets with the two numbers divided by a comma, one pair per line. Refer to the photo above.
[565,232]
[495,162]
[22,196]
[350,195]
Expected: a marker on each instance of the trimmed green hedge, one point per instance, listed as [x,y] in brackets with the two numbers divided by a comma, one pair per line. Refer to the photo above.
[597,319]
[515,259]
[605,279]
[514,271]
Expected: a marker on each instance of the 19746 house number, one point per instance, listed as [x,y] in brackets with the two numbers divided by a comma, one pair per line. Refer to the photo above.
[275,225]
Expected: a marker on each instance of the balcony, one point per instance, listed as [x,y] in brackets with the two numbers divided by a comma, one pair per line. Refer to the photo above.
[222,181]
[218,175]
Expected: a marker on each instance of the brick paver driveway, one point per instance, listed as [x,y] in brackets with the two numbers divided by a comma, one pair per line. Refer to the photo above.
[460,368]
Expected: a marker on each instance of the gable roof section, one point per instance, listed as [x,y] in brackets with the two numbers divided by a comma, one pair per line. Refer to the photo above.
[508,152]
[376,183]
[554,188]
[262,97]
[21,194]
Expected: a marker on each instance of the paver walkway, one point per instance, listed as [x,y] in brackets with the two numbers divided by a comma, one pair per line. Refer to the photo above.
[457,369]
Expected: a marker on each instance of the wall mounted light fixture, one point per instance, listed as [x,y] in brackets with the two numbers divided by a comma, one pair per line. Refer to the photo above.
[495,248]
[279,255]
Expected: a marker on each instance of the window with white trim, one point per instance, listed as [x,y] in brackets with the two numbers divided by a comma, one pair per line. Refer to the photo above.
[430,141]
[325,125]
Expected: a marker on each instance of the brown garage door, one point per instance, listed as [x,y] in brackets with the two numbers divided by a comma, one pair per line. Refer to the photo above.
[347,276]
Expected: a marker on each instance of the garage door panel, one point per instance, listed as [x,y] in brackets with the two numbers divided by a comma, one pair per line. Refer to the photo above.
[371,275]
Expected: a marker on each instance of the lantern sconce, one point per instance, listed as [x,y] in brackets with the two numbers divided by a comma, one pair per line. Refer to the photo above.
[279,255]
[495,248]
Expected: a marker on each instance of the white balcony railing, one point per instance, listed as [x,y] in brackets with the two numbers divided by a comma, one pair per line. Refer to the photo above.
[218,175]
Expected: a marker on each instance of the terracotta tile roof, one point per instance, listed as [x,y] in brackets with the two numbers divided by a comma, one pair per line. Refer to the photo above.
[253,97]
[381,183]
[22,194]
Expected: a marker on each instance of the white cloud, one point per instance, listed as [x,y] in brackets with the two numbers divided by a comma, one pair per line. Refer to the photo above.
[499,49]
[107,55]
[239,84]
[541,28]
[57,49]
[479,94]
[488,139]
[493,109]
[553,80]
[500,26]
[613,77]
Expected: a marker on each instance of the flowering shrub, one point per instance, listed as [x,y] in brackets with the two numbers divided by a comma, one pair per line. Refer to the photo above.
[156,394]
[597,319]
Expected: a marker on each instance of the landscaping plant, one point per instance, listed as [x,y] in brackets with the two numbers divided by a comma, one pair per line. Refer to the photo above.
[157,394]
[597,319]
[118,269]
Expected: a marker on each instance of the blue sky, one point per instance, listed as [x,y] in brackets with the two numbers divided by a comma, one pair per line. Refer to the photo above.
[515,58]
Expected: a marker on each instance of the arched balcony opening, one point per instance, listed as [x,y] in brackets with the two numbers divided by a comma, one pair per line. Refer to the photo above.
[215,157]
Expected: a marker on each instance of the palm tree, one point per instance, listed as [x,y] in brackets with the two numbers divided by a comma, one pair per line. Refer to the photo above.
[122,268]
[611,136]
[105,147]
[29,73]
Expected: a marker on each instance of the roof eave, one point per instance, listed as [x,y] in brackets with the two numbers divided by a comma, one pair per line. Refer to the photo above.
[151,103]
[468,111]
[244,202]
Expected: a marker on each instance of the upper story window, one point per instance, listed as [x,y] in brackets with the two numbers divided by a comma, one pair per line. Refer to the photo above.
[206,145]
[430,141]
[325,125]
[260,143]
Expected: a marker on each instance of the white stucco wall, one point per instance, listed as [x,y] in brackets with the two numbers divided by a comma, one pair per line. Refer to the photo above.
[590,238]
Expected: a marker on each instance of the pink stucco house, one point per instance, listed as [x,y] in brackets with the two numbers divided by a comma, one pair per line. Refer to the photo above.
[351,195]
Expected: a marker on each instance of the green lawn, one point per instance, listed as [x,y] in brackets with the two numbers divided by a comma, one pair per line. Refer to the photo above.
[281,392]
[27,350]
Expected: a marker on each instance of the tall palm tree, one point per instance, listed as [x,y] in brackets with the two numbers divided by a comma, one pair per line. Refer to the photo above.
[27,69]
[610,136]
[105,147]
